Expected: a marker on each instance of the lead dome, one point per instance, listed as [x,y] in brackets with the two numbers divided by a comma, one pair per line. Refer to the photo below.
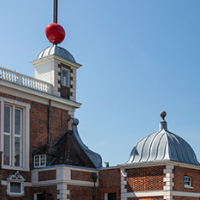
[162,146]
[56,50]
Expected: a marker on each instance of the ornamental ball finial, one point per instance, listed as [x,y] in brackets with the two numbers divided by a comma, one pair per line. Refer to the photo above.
[163,115]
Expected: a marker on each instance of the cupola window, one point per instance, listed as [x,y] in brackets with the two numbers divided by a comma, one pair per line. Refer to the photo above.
[188,181]
[65,77]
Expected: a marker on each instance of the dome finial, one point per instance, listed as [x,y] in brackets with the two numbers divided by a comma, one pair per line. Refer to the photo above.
[163,115]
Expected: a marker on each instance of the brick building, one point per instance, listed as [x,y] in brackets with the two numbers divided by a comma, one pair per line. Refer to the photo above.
[43,157]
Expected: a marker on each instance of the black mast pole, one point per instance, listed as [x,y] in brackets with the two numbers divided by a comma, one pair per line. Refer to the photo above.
[55,11]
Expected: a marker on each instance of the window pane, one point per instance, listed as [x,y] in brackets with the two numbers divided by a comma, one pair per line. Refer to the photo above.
[43,160]
[17,151]
[36,160]
[111,196]
[6,151]
[15,187]
[17,122]
[6,119]
[65,77]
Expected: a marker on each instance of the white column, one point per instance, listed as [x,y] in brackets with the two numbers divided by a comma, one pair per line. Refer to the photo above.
[63,192]
[123,184]
[168,179]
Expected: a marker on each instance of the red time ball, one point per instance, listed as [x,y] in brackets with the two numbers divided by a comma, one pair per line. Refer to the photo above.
[55,33]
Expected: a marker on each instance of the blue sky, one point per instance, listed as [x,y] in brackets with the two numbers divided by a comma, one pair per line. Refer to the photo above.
[138,57]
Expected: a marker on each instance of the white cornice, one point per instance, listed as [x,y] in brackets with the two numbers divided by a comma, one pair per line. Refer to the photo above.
[153,164]
[55,57]
[68,182]
[65,167]
[160,193]
[37,96]
[185,194]
[145,194]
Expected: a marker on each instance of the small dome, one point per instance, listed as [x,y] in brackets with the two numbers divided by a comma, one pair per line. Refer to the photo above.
[162,146]
[56,50]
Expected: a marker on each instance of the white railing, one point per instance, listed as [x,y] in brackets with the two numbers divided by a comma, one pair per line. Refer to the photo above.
[24,80]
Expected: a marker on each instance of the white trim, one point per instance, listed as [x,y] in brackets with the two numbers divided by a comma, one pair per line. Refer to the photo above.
[151,164]
[69,182]
[40,157]
[185,194]
[57,58]
[105,196]
[63,192]
[144,194]
[189,181]
[15,178]
[38,96]
[25,107]
[160,193]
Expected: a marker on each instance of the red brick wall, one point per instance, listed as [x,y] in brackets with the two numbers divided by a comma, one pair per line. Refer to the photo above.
[110,178]
[83,176]
[39,122]
[110,182]
[145,179]
[47,175]
[80,192]
[179,174]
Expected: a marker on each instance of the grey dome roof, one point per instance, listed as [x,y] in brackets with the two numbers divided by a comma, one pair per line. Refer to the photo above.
[162,146]
[56,50]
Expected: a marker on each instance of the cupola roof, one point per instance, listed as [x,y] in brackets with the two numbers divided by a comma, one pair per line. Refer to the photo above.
[56,50]
[162,146]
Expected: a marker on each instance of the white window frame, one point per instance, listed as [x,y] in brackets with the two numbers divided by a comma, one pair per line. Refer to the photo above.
[41,156]
[25,110]
[188,182]
[15,178]
[36,196]
[106,195]
[68,73]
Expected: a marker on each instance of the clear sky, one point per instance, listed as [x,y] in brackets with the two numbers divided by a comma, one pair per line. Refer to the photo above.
[139,57]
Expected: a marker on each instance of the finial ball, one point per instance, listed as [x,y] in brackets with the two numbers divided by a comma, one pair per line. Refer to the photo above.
[55,33]
[163,114]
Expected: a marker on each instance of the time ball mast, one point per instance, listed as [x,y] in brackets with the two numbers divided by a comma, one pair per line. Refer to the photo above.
[54,32]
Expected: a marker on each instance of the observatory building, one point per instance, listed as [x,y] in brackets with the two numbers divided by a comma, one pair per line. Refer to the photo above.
[43,157]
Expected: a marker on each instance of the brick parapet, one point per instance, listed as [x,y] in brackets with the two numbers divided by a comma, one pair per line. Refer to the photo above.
[145,179]
[47,175]
[81,175]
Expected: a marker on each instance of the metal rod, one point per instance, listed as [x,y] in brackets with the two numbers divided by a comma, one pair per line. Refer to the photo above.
[55,11]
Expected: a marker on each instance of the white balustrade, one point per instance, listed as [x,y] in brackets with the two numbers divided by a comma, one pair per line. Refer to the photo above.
[24,80]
